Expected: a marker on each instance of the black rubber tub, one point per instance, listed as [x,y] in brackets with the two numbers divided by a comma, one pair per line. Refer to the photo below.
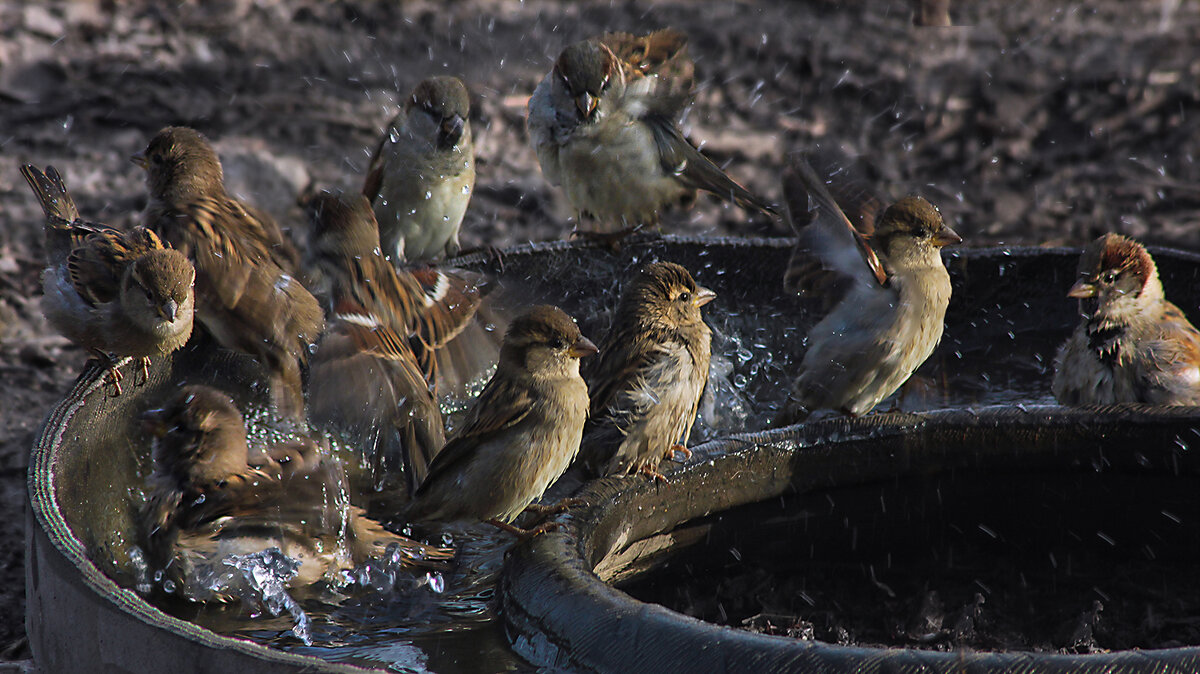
[1008,314]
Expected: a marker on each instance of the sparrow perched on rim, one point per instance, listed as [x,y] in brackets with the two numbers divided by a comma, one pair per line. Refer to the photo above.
[1131,345]
[520,434]
[434,309]
[210,495]
[604,126]
[247,294]
[891,293]
[646,384]
[114,293]
[422,173]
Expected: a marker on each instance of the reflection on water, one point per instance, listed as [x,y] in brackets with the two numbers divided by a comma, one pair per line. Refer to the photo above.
[988,356]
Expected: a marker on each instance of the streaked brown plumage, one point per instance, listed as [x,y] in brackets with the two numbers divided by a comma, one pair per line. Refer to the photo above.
[247,294]
[604,125]
[111,292]
[520,434]
[646,384]
[422,173]
[1131,345]
[888,296]
[211,495]
[429,307]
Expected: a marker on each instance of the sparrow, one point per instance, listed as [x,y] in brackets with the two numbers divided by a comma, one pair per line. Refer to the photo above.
[1131,345]
[430,308]
[422,173]
[365,381]
[247,294]
[521,433]
[604,125]
[116,294]
[210,495]
[646,384]
[887,296]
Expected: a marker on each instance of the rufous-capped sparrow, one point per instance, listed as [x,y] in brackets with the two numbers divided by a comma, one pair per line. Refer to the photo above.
[604,125]
[422,173]
[646,384]
[114,293]
[888,296]
[1131,344]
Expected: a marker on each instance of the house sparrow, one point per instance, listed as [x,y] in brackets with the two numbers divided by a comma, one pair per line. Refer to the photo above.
[422,173]
[647,382]
[891,296]
[428,307]
[115,294]
[247,295]
[366,381]
[210,496]
[1132,344]
[520,434]
[604,126]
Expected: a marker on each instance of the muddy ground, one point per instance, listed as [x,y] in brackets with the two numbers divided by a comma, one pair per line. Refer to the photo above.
[1027,125]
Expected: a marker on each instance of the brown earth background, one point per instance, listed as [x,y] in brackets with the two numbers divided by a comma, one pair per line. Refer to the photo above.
[1034,122]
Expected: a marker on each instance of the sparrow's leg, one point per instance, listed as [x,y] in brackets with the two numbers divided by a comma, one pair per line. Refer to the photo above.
[114,375]
[144,372]
[610,240]
[652,473]
[678,447]
[492,252]
[524,534]
[557,508]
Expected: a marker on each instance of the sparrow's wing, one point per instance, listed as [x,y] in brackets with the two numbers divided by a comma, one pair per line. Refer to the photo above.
[829,250]
[622,357]
[374,180]
[680,157]
[504,403]
[64,230]
[842,175]
[281,248]
[658,72]
[96,265]
[1172,363]
[225,261]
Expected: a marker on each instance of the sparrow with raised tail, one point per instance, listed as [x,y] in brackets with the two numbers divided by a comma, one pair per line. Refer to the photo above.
[521,433]
[246,293]
[646,384]
[428,307]
[604,126]
[888,296]
[1132,344]
[422,173]
[115,294]
[210,495]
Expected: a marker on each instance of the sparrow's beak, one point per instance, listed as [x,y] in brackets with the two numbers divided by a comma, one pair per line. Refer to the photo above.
[586,104]
[946,237]
[1082,290]
[451,131]
[704,296]
[139,159]
[169,310]
[583,347]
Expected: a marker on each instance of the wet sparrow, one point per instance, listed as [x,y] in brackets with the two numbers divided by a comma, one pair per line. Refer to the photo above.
[246,294]
[891,295]
[604,126]
[422,173]
[1132,344]
[428,307]
[646,384]
[116,294]
[520,434]
[366,382]
[211,495]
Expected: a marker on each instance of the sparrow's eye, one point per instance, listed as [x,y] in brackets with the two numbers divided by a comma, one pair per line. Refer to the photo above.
[558,343]
[1109,277]
[685,297]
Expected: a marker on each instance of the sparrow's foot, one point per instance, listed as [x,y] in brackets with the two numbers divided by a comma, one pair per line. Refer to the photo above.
[670,455]
[652,473]
[524,534]
[557,508]
[114,376]
[143,372]
[493,252]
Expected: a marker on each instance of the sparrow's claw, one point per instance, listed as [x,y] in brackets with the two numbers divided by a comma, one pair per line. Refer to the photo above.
[678,447]
[524,534]
[114,375]
[556,508]
[143,372]
[652,473]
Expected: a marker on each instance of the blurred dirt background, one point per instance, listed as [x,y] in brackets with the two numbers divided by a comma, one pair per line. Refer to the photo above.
[1033,122]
